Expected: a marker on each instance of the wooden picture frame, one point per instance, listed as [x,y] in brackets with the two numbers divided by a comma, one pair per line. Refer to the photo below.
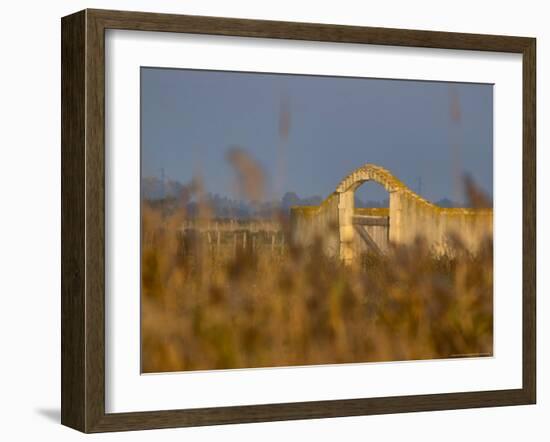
[83,220]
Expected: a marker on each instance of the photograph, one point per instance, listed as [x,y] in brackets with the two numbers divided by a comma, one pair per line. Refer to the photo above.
[243,221]
[297,220]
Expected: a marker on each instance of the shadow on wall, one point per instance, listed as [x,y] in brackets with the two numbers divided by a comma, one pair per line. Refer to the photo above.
[51,414]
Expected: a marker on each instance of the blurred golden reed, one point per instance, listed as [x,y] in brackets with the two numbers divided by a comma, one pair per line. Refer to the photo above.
[259,307]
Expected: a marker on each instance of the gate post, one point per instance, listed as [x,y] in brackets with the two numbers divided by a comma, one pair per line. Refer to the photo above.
[396,226]
[346,206]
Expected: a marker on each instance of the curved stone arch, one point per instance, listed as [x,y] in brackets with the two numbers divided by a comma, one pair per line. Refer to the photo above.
[370,172]
[346,201]
[382,176]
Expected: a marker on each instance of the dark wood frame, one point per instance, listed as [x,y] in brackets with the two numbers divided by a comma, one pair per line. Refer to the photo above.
[83,217]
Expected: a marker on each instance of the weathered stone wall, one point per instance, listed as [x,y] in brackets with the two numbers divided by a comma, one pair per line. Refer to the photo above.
[410,216]
[310,224]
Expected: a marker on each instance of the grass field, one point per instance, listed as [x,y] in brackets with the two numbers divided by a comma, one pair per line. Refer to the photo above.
[254,308]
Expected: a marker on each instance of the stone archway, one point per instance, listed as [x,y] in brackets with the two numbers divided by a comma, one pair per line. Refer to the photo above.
[409,216]
[346,202]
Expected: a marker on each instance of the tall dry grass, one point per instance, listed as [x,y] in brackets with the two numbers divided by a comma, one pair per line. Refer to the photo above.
[203,310]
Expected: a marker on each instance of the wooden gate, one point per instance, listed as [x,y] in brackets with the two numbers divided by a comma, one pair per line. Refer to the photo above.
[372,233]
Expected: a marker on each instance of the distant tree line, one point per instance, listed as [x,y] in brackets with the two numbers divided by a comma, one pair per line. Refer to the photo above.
[170,194]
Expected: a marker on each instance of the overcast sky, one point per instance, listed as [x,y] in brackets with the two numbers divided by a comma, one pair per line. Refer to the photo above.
[308,132]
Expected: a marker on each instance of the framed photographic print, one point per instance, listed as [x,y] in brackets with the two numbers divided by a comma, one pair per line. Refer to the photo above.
[271,220]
